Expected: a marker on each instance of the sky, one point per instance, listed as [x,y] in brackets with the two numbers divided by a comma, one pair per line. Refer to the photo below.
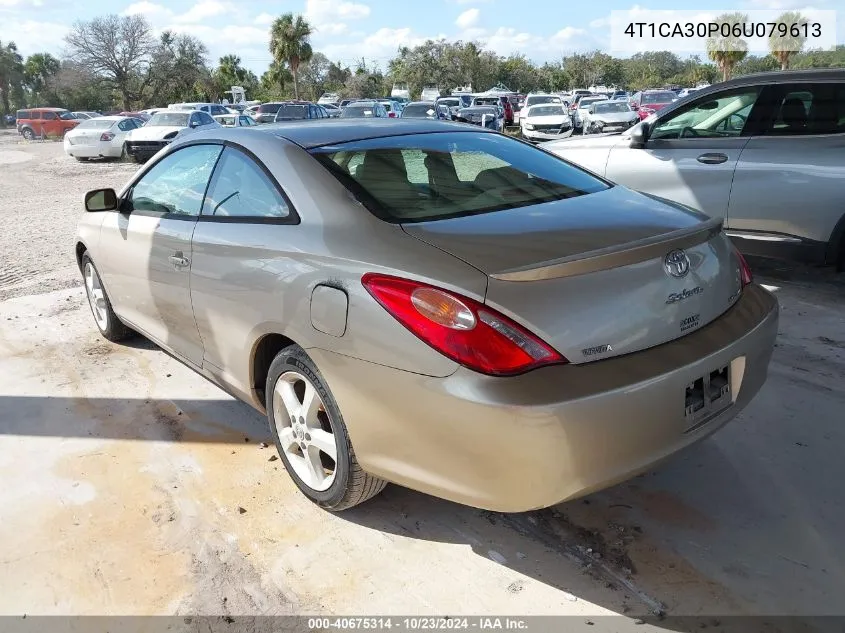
[347,30]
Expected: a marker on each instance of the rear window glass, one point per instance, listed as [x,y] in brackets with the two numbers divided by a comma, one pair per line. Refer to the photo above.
[436,176]
[269,108]
[419,111]
[99,124]
[23,114]
[358,111]
[292,112]
[658,97]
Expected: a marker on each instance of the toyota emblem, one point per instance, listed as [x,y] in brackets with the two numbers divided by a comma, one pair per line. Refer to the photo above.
[676,263]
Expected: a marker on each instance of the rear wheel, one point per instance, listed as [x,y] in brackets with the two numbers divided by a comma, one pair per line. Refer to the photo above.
[107,322]
[311,436]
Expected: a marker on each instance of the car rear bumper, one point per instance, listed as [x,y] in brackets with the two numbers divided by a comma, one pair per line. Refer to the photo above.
[526,442]
[98,150]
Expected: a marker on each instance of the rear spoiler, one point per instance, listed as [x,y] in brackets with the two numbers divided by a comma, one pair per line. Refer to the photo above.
[615,256]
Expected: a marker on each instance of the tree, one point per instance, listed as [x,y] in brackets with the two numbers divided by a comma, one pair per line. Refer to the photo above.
[314,75]
[178,70]
[783,47]
[289,43]
[229,72]
[38,69]
[727,50]
[11,75]
[275,80]
[115,47]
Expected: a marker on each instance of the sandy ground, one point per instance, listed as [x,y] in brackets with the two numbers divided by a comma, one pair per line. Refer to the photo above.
[123,474]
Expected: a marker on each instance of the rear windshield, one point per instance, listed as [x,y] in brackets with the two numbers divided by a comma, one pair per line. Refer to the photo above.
[356,111]
[421,111]
[530,101]
[292,112]
[95,124]
[658,97]
[435,176]
[269,108]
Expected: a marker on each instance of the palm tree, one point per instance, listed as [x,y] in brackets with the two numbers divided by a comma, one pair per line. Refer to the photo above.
[728,51]
[784,47]
[289,43]
[11,74]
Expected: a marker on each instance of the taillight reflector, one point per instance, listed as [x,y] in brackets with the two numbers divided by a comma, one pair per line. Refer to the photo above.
[745,275]
[465,330]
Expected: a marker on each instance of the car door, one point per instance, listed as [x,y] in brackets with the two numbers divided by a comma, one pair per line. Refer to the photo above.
[691,153]
[242,249]
[50,124]
[790,179]
[146,248]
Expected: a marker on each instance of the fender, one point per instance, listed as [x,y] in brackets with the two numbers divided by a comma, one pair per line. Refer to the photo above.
[836,243]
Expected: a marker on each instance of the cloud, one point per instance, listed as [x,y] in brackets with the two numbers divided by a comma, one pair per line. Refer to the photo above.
[205,9]
[325,11]
[264,19]
[201,11]
[468,18]
[30,35]
[332,28]
[149,10]
[473,1]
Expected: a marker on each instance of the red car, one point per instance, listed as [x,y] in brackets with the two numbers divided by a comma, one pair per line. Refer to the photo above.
[647,102]
[508,107]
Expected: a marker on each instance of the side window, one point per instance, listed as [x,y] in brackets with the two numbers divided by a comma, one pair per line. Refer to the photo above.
[415,166]
[244,120]
[194,119]
[176,184]
[126,125]
[809,109]
[205,119]
[714,116]
[35,115]
[240,189]
[49,116]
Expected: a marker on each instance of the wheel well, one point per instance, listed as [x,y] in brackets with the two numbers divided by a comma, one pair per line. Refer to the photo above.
[836,245]
[80,251]
[262,357]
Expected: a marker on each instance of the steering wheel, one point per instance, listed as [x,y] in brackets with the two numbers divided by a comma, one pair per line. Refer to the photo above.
[735,122]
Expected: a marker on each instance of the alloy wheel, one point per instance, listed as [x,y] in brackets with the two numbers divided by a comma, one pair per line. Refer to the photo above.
[305,430]
[96,296]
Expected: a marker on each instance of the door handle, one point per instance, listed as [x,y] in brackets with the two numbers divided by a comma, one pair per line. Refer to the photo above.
[712,159]
[178,260]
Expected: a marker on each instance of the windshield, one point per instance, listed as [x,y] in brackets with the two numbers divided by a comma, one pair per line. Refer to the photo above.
[358,111]
[658,97]
[586,103]
[291,112]
[420,177]
[547,110]
[179,119]
[95,124]
[605,108]
[66,115]
[419,111]
[530,101]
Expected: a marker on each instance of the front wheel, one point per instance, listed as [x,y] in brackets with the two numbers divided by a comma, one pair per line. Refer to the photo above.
[311,436]
[107,322]
[28,134]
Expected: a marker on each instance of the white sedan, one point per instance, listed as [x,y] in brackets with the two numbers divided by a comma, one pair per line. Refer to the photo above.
[102,137]
[545,122]
[235,120]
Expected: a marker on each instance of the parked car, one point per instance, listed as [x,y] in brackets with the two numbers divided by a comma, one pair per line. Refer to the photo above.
[144,116]
[235,120]
[545,121]
[83,115]
[484,111]
[101,137]
[579,109]
[142,143]
[328,98]
[427,110]
[44,122]
[9,119]
[430,93]
[332,110]
[535,98]
[345,102]
[525,309]
[647,102]
[762,152]
[364,110]
[687,92]
[300,111]
[619,94]
[252,111]
[209,108]
[454,104]
[267,111]
[609,116]
[393,107]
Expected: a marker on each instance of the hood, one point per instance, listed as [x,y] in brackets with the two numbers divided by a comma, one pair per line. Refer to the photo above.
[153,133]
[516,238]
[615,117]
[549,118]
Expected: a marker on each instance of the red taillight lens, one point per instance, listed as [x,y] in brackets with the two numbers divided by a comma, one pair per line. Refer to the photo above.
[745,275]
[106,136]
[392,115]
[468,332]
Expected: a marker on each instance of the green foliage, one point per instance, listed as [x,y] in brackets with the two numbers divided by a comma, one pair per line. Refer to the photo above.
[290,43]
[11,76]
[783,47]
[728,51]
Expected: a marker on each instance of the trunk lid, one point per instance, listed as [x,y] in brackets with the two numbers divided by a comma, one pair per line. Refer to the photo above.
[592,275]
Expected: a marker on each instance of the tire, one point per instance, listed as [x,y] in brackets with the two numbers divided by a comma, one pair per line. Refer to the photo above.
[28,134]
[291,374]
[106,320]
[80,159]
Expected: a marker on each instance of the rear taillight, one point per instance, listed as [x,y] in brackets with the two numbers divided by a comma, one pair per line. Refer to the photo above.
[106,136]
[392,115]
[745,275]
[468,332]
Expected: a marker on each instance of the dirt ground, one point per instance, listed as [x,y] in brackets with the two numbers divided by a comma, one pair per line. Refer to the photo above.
[132,486]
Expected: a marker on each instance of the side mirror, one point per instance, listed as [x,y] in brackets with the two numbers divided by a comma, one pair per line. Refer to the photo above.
[639,135]
[100,200]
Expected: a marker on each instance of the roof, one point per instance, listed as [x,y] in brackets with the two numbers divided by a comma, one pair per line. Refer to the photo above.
[332,131]
[46,109]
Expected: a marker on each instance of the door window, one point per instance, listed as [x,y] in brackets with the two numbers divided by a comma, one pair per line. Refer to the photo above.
[241,189]
[49,116]
[715,116]
[205,119]
[176,184]
[809,109]
[125,126]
